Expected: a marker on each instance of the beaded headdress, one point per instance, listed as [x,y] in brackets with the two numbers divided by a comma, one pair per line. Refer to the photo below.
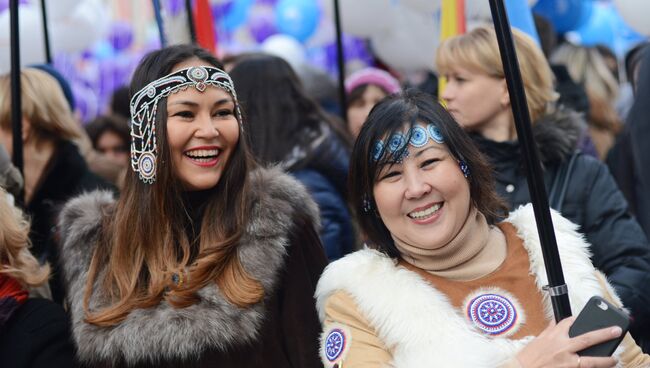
[144,106]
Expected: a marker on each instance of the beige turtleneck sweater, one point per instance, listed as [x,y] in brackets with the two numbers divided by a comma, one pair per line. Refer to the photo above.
[475,251]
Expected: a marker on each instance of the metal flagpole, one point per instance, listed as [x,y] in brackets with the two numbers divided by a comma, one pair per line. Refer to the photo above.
[190,20]
[557,287]
[46,34]
[159,23]
[340,60]
[16,110]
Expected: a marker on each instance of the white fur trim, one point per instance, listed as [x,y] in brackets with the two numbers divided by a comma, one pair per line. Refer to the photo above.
[419,325]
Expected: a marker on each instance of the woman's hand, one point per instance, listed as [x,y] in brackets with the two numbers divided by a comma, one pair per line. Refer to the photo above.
[554,348]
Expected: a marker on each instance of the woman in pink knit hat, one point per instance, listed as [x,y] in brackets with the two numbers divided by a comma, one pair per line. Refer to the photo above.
[364,89]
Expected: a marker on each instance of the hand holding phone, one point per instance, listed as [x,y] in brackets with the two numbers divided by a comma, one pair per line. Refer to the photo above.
[599,313]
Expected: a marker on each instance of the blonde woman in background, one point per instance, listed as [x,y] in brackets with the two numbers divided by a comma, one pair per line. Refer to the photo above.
[54,170]
[588,66]
[33,332]
[579,186]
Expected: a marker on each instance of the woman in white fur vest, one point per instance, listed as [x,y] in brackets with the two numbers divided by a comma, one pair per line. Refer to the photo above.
[446,284]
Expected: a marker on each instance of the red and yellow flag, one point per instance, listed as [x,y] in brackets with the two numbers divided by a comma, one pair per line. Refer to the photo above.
[452,23]
[204,24]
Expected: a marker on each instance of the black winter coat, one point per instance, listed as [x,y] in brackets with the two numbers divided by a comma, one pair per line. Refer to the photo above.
[37,335]
[629,159]
[593,201]
[65,176]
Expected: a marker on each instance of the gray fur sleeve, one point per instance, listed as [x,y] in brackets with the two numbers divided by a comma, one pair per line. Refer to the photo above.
[79,225]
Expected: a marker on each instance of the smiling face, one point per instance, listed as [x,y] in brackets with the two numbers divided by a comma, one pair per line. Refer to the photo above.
[424,200]
[202,133]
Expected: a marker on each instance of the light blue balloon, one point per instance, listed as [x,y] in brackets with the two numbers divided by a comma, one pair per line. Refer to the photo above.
[297,18]
[606,27]
[599,28]
[565,15]
[103,50]
[521,17]
[237,15]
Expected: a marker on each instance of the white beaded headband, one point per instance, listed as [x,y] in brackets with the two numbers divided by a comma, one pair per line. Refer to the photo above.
[144,105]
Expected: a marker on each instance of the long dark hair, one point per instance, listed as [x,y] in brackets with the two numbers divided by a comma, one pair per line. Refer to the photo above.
[278,112]
[391,115]
[143,240]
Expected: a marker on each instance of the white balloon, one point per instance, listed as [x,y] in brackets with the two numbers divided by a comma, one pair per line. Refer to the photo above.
[32,49]
[479,10]
[363,18]
[425,6]
[87,24]
[287,48]
[635,13]
[411,43]
[57,9]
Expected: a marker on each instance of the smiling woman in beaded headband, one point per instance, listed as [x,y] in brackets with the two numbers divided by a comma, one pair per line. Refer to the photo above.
[443,281]
[190,266]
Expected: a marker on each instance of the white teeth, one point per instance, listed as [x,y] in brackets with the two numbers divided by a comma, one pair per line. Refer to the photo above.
[425,213]
[202,153]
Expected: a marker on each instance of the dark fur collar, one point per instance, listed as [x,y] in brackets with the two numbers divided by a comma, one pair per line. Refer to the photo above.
[557,134]
[164,332]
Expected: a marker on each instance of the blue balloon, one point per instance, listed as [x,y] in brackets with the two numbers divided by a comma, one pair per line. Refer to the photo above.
[236,15]
[521,17]
[103,50]
[565,15]
[297,18]
[606,27]
[599,28]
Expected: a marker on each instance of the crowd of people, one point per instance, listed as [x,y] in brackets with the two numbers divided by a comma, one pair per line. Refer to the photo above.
[222,215]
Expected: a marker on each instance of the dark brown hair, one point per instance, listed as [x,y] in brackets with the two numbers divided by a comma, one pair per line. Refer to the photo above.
[391,115]
[109,123]
[143,240]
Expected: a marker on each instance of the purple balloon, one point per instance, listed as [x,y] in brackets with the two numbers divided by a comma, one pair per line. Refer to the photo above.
[173,7]
[121,35]
[353,48]
[4,4]
[262,25]
[87,102]
[221,9]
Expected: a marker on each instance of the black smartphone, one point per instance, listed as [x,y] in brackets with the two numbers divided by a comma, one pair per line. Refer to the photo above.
[599,313]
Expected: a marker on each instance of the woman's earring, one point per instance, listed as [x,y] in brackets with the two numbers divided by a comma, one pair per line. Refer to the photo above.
[367,206]
[464,168]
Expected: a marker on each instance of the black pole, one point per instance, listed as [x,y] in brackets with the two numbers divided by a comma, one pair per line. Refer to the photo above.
[340,61]
[159,23]
[46,34]
[16,110]
[557,287]
[190,20]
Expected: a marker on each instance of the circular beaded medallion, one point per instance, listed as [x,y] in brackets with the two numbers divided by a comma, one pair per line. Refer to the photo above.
[334,344]
[147,165]
[377,150]
[396,142]
[419,137]
[492,313]
[435,134]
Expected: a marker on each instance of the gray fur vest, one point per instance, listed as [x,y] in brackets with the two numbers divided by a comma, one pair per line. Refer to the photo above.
[164,332]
